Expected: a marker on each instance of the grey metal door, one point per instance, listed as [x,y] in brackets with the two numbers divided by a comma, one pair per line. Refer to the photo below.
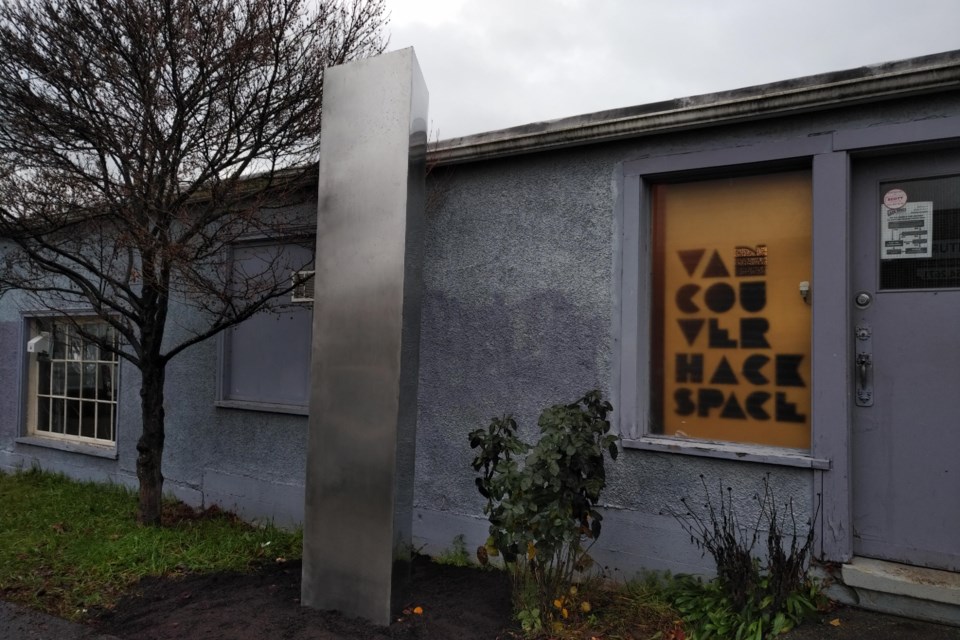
[905,312]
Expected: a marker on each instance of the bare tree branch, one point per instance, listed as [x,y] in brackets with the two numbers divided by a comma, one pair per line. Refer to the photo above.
[140,140]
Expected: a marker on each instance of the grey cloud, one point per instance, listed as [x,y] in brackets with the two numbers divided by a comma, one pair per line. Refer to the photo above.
[501,63]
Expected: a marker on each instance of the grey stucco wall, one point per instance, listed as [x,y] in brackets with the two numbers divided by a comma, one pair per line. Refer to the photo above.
[516,306]
[520,296]
[250,461]
[518,315]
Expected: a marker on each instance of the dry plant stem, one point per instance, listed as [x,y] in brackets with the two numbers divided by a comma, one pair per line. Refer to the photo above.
[753,587]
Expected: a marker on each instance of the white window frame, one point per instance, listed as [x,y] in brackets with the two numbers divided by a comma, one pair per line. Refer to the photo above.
[303,283]
[73,357]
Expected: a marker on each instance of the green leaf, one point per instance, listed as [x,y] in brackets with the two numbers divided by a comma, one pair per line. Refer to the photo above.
[779,624]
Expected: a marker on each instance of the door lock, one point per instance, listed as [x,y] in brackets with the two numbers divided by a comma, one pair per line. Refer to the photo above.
[863,300]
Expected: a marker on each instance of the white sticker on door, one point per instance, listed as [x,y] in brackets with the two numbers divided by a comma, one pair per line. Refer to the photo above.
[907,231]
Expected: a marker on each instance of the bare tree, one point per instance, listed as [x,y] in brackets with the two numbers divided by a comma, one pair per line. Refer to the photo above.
[139,139]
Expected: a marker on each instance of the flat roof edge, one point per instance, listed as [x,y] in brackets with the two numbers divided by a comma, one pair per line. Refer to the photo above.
[937,72]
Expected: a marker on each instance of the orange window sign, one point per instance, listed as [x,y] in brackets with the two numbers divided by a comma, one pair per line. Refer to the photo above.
[731,331]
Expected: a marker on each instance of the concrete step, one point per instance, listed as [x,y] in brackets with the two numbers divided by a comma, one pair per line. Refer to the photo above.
[904,590]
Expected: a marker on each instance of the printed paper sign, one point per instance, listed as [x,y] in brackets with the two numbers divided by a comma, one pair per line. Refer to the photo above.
[907,231]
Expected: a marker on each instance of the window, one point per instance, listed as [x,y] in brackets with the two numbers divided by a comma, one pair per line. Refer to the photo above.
[265,360]
[920,233]
[302,286]
[73,383]
[730,322]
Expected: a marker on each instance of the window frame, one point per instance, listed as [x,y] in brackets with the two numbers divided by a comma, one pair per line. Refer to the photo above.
[29,387]
[633,268]
[224,338]
[305,278]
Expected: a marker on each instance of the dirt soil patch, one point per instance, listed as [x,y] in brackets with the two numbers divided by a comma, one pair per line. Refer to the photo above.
[457,604]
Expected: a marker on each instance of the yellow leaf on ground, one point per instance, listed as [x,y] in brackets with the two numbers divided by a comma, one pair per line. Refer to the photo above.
[835,622]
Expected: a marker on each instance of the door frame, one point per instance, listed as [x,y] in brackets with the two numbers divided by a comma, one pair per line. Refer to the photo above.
[833,339]
[867,177]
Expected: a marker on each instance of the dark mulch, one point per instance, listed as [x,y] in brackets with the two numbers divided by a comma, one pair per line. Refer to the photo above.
[458,604]
[848,623]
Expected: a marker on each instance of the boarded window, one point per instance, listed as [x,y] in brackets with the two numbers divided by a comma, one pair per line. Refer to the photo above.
[266,359]
[730,350]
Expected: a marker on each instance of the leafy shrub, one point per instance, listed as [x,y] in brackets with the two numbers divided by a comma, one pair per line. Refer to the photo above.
[708,612]
[541,501]
[750,597]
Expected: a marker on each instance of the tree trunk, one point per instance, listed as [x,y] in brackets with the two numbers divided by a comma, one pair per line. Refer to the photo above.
[150,444]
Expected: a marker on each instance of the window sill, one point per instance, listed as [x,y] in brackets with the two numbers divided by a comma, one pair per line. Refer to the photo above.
[87,449]
[262,406]
[745,453]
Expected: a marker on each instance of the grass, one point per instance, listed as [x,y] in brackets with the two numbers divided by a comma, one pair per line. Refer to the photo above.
[67,547]
[641,609]
[457,555]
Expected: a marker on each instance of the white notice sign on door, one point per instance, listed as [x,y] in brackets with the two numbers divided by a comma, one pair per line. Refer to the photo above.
[907,231]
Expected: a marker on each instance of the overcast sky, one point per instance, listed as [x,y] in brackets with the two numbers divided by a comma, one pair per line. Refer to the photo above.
[491,64]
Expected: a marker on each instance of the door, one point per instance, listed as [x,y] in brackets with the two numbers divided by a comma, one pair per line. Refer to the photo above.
[906,322]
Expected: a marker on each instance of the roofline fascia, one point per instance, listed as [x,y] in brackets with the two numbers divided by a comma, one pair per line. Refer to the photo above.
[899,79]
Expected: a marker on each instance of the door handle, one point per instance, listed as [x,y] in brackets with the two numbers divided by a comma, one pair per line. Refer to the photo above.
[864,364]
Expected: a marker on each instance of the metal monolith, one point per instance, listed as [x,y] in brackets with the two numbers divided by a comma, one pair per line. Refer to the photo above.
[366,330]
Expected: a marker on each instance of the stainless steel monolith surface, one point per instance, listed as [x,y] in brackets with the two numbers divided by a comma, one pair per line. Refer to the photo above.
[366,329]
